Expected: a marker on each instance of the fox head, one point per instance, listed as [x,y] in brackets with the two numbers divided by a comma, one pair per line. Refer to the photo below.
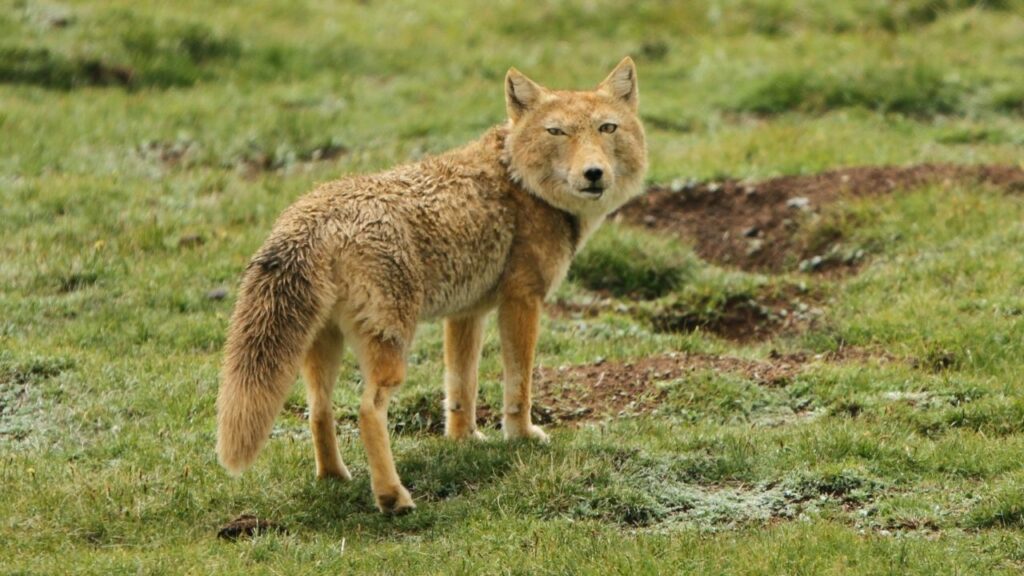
[582,152]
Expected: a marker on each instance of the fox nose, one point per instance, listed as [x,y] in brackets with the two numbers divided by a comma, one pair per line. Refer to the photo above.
[593,174]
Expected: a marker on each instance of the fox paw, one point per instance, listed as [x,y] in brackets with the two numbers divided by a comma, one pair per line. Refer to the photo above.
[395,502]
[530,432]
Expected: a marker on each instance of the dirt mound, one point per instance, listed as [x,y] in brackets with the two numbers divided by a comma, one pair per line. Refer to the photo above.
[741,317]
[753,225]
[737,317]
[602,389]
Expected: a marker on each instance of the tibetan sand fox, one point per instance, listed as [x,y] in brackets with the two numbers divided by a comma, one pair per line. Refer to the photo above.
[362,260]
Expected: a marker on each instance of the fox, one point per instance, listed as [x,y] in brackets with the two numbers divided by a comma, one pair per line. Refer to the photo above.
[364,259]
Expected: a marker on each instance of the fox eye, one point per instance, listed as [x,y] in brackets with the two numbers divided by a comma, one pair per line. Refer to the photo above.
[556,132]
[608,127]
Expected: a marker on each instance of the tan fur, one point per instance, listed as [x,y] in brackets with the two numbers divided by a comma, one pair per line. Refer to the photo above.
[463,339]
[363,259]
[321,371]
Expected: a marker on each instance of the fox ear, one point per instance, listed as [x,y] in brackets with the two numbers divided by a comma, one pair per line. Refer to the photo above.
[621,83]
[521,94]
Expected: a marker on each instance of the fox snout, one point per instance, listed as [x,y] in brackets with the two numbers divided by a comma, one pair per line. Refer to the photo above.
[591,180]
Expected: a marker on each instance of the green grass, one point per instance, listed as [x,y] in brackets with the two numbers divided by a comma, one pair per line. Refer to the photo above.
[630,263]
[917,90]
[147,149]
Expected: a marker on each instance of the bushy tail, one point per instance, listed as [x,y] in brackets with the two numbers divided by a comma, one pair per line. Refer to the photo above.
[282,302]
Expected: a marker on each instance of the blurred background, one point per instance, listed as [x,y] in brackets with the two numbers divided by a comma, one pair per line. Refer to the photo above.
[738,87]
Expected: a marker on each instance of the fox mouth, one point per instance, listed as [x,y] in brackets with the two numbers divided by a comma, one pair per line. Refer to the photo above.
[592,191]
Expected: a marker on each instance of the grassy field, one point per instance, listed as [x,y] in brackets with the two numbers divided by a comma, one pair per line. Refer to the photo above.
[146,148]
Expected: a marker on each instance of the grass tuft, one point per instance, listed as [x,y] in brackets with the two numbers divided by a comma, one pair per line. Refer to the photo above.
[1002,509]
[917,90]
[626,262]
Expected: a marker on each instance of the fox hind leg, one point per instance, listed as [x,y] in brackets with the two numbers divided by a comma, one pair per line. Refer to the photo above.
[463,339]
[383,372]
[320,368]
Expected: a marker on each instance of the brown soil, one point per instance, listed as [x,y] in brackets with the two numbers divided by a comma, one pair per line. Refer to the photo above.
[754,226]
[741,318]
[603,389]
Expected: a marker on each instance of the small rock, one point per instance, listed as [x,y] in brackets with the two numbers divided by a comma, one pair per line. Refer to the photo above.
[752,232]
[799,203]
[714,187]
[217,294]
[580,412]
[855,257]
[678,185]
[811,264]
[755,246]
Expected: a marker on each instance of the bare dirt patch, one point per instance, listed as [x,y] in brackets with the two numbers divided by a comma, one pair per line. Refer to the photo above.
[571,394]
[738,317]
[743,317]
[754,225]
[21,397]
[601,389]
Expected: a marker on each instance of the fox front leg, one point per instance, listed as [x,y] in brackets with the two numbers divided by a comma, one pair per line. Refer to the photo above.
[519,325]
[463,339]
